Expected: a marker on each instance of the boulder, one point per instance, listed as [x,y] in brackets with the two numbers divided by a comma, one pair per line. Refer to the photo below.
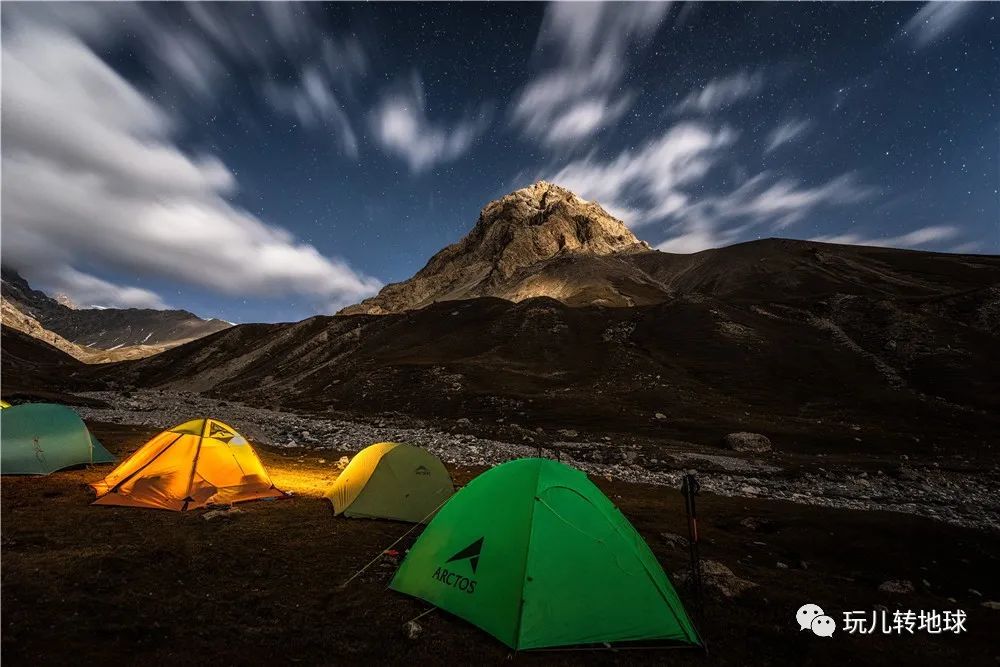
[899,586]
[744,441]
[717,579]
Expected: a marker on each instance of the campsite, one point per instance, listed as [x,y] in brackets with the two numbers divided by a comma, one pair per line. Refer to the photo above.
[487,333]
[159,585]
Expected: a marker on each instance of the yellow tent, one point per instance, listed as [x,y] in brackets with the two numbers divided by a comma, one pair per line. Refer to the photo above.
[4,404]
[389,480]
[198,463]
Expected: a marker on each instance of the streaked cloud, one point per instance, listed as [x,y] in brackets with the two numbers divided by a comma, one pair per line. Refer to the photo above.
[665,183]
[91,291]
[312,101]
[721,93]
[401,126]
[914,239]
[934,20]
[787,132]
[648,184]
[763,201]
[585,47]
[92,177]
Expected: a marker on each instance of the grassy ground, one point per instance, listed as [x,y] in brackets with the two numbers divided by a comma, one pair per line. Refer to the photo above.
[82,584]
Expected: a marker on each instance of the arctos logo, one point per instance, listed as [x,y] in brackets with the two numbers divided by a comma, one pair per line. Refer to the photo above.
[456,580]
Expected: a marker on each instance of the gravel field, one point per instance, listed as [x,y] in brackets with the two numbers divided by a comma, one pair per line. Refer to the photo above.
[925,488]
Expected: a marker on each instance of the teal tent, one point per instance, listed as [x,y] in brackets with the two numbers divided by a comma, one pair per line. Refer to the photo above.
[39,438]
[533,553]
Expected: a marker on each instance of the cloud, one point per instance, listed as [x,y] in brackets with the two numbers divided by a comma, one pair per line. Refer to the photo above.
[290,22]
[648,184]
[664,182]
[203,40]
[179,59]
[916,238]
[934,20]
[718,220]
[93,22]
[186,60]
[266,34]
[784,201]
[967,247]
[92,176]
[584,118]
[345,61]
[586,46]
[720,93]
[89,290]
[788,131]
[401,126]
[313,103]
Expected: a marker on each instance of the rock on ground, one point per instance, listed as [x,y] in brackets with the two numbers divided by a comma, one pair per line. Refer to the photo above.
[413,629]
[901,586]
[747,442]
[717,580]
[675,541]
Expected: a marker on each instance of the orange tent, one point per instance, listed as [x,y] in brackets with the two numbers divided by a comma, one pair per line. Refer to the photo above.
[198,463]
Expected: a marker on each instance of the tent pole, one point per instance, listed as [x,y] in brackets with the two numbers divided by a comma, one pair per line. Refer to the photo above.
[690,488]
[194,464]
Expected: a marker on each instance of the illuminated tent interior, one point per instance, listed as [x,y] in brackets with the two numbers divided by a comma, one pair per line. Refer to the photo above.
[198,463]
[389,480]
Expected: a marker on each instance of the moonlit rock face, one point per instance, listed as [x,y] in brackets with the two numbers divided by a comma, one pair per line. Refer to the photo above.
[513,243]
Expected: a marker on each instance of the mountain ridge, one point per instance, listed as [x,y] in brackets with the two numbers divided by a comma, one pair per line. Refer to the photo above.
[545,241]
[555,320]
[97,335]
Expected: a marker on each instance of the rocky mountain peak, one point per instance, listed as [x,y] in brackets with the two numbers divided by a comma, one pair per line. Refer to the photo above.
[513,234]
[539,222]
[65,300]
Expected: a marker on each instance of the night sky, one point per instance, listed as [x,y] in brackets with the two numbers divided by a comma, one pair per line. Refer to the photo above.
[270,162]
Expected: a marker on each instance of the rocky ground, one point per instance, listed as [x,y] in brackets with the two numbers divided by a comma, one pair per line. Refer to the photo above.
[947,488]
[261,583]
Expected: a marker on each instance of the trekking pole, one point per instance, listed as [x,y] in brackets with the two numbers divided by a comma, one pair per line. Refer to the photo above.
[689,489]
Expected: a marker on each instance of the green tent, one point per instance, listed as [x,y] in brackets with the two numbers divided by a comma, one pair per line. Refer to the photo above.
[533,553]
[39,438]
[389,480]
